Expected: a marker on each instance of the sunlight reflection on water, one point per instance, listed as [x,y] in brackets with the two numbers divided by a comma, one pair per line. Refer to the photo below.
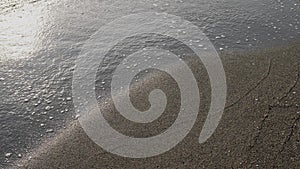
[19,30]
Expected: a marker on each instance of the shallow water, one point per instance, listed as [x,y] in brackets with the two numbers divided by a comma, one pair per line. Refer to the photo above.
[41,39]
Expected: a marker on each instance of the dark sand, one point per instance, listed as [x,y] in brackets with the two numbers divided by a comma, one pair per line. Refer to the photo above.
[259,128]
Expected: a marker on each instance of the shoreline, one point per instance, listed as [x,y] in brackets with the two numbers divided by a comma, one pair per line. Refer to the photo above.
[255,102]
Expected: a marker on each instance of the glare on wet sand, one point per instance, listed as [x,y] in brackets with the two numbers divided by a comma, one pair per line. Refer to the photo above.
[19,30]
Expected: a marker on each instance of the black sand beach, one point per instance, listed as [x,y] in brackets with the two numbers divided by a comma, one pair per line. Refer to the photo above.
[258,42]
[259,128]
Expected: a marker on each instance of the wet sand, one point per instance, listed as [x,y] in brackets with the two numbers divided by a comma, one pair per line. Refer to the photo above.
[259,127]
[40,41]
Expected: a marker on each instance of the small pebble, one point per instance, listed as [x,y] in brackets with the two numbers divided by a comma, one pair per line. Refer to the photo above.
[77,116]
[49,131]
[8,155]
[47,108]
